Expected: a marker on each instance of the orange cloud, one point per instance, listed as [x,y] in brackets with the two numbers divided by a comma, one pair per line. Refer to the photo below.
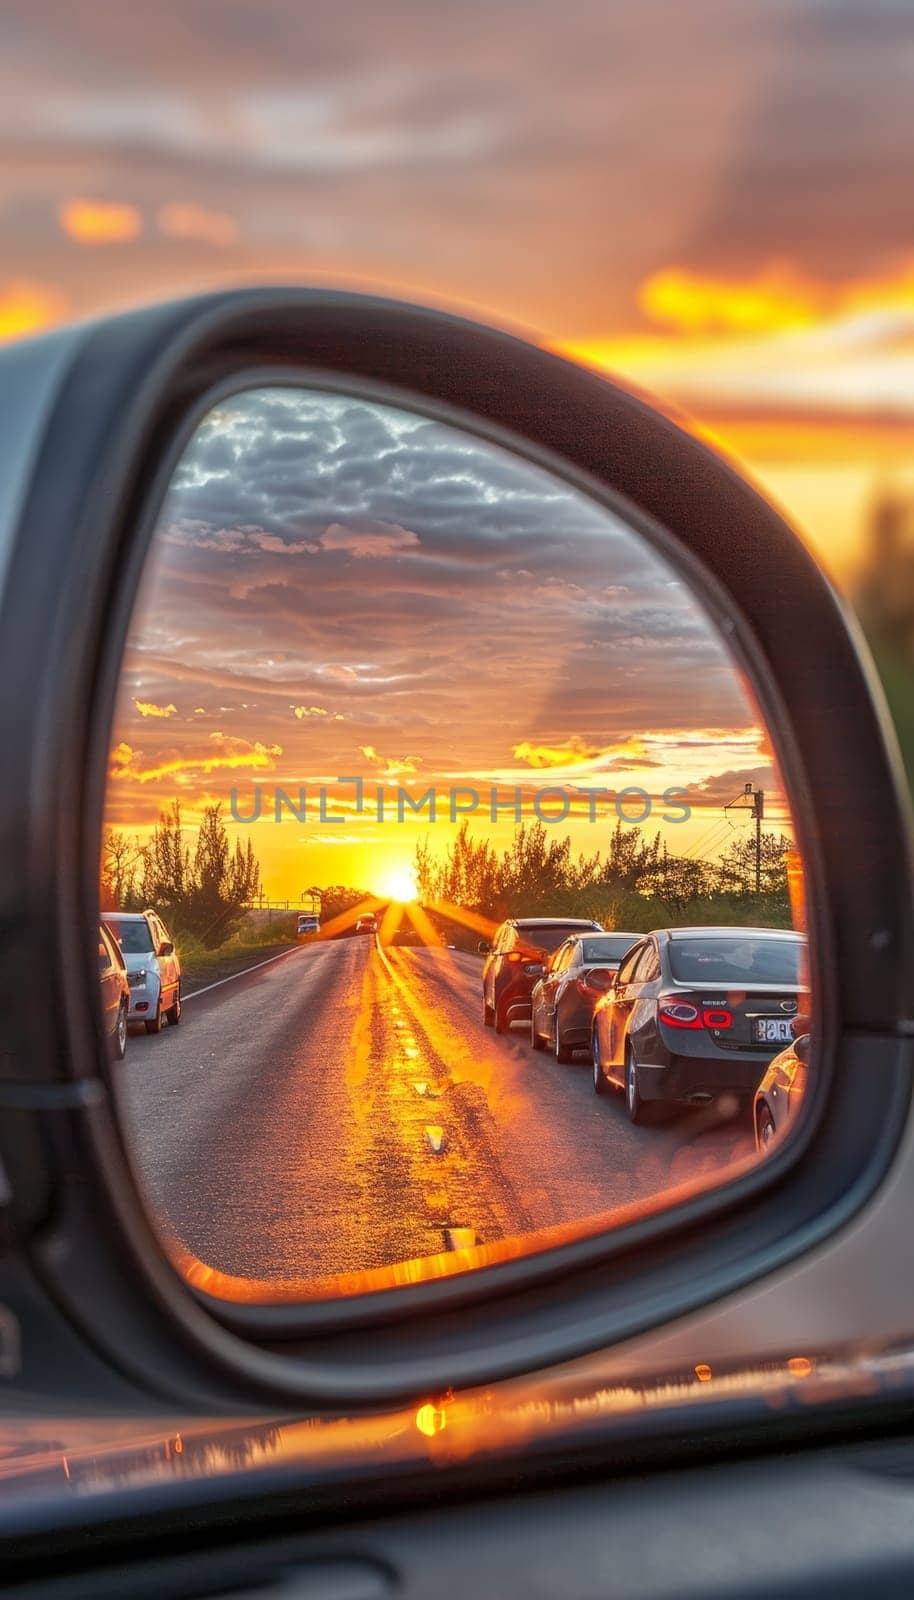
[392,766]
[221,751]
[315,711]
[100,221]
[187,221]
[28,308]
[776,299]
[146,708]
[694,303]
[573,752]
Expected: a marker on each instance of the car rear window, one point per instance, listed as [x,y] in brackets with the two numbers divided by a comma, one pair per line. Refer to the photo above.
[135,938]
[547,937]
[740,960]
[609,947]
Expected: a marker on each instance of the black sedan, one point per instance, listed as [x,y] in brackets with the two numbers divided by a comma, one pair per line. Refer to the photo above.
[695,1014]
[573,981]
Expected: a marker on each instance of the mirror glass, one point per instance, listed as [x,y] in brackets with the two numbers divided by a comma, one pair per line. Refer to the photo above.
[450,906]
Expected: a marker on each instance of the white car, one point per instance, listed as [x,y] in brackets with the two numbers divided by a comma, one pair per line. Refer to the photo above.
[153,967]
[308,922]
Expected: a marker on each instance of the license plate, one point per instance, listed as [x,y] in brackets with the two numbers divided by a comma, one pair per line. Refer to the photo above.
[773,1030]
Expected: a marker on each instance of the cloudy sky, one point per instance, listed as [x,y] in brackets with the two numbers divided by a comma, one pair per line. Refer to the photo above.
[712,199]
[339,588]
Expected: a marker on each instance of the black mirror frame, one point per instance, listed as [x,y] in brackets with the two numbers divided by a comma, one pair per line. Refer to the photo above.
[119,400]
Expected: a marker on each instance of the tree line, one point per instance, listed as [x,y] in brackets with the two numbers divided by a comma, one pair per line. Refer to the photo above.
[636,882]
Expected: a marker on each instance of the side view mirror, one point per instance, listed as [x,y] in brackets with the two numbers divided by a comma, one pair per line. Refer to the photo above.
[801,1024]
[166,948]
[533,500]
[801,1047]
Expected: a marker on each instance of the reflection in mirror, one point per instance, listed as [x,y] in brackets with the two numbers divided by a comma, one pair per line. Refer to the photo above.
[452,871]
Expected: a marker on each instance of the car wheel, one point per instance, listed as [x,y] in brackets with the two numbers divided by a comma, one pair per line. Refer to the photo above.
[636,1106]
[120,1033]
[765,1130]
[488,1015]
[174,1011]
[154,1025]
[600,1085]
[562,1051]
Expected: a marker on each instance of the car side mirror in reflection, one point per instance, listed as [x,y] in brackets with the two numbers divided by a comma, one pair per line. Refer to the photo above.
[166,948]
[801,1024]
[801,1047]
[484,948]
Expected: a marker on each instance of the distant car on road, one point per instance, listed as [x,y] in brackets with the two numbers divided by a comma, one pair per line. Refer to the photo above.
[367,924]
[153,967]
[780,1094]
[577,976]
[115,992]
[308,922]
[696,1013]
[514,963]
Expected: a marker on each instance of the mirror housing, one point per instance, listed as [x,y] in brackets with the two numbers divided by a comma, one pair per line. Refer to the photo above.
[166,948]
[104,411]
[484,947]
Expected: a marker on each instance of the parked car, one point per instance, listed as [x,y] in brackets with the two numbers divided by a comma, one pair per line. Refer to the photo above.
[153,967]
[115,992]
[780,1093]
[577,976]
[308,922]
[695,1013]
[367,924]
[514,963]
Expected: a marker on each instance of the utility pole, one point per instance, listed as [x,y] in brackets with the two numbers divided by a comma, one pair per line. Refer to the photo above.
[758,811]
[755,800]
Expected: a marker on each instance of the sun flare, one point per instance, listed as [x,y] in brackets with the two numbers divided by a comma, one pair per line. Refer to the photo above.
[398,883]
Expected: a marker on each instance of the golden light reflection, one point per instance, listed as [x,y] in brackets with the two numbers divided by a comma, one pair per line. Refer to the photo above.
[431,1419]
[96,222]
[27,308]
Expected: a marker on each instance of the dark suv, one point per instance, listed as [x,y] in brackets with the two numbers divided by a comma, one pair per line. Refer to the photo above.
[514,963]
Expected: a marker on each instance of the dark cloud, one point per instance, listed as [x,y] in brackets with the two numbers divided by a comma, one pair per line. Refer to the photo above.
[427,590]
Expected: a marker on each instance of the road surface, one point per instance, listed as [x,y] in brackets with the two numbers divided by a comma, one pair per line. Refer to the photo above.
[342,1108]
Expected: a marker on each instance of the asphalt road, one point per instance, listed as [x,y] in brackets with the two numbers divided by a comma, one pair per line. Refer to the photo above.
[287,1128]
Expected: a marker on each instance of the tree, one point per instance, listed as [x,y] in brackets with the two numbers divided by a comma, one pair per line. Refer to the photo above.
[121,860]
[735,869]
[166,865]
[678,881]
[201,893]
[222,882]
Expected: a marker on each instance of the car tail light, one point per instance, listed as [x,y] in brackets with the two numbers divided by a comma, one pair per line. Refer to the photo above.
[717,1017]
[678,1013]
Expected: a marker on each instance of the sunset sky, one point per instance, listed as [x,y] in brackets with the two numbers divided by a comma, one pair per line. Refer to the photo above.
[339,589]
[711,200]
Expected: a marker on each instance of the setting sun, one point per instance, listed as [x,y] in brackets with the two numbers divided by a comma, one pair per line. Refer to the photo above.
[398,883]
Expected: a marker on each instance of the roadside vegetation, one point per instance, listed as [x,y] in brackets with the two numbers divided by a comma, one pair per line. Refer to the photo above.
[635,884]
